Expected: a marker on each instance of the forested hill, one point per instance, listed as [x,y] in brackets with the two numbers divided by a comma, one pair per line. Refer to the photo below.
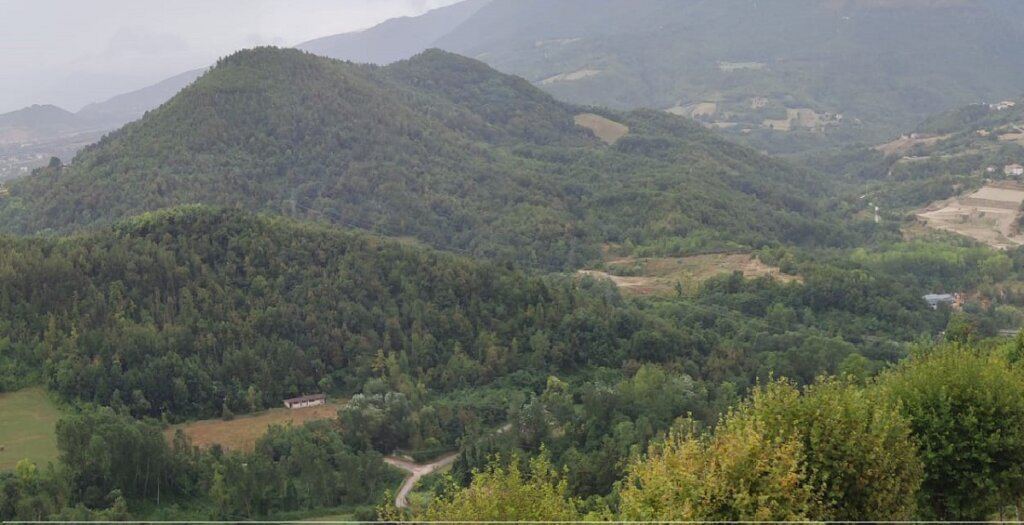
[441,148]
[223,302]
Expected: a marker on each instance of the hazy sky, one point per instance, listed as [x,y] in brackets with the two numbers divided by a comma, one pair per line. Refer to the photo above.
[72,52]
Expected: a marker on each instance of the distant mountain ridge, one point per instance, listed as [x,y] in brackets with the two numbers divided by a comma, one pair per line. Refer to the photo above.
[110,114]
[38,116]
[782,76]
[440,148]
[122,109]
[397,38]
[29,137]
[772,73]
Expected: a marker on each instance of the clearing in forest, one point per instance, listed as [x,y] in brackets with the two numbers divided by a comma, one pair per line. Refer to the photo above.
[1017,137]
[28,424]
[697,109]
[988,215]
[905,143]
[660,275]
[242,432]
[799,118]
[729,67]
[568,77]
[605,129]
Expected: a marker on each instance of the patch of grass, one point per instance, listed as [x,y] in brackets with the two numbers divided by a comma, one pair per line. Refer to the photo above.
[605,129]
[28,423]
[242,432]
[660,275]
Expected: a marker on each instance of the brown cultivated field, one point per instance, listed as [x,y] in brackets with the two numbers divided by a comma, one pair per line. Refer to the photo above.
[1013,137]
[659,275]
[605,129]
[242,432]
[988,215]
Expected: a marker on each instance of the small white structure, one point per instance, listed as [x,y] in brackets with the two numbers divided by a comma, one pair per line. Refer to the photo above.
[1014,170]
[935,299]
[1000,106]
[306,401]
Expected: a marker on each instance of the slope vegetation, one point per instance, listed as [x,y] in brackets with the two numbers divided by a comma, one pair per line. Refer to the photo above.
[440,148]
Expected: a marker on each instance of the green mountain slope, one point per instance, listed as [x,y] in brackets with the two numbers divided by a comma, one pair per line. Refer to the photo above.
[440,148]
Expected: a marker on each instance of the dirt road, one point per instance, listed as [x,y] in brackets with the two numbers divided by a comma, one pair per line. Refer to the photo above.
[416,471]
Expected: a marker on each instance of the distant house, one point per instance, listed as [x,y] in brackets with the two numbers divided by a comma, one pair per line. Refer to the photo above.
[1014,170]
[1000,106]
[935,299]
[306,401]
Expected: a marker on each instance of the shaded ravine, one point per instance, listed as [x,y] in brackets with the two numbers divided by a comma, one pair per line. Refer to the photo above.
[416,471]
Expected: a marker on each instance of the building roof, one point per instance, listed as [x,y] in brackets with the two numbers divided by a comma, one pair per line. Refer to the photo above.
[300,399]
[938,297]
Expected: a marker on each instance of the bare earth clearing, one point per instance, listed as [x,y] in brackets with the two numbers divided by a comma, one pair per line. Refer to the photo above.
[697,109]
[988,215]
[1013,137]
[659,276]
[798,117]
[568,77]
[605,129]
[242,432]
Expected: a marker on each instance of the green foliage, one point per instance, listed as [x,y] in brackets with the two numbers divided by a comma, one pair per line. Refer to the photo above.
[738,474]
[858,453]
[180,313]
[966,412]
[536,493]
[838,452]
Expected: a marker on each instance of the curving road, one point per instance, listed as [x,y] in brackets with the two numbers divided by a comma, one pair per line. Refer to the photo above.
[416,471]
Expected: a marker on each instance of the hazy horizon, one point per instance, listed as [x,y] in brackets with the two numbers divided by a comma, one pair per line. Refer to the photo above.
[73,54]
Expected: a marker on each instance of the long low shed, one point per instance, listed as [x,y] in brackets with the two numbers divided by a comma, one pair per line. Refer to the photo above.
[306,401]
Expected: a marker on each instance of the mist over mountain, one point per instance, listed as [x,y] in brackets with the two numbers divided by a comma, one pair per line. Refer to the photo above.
[124,108]
[395,39]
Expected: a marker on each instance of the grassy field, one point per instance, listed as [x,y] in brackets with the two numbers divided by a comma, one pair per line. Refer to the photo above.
[242,432]
[28,420]
[605,129]
[659,275]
